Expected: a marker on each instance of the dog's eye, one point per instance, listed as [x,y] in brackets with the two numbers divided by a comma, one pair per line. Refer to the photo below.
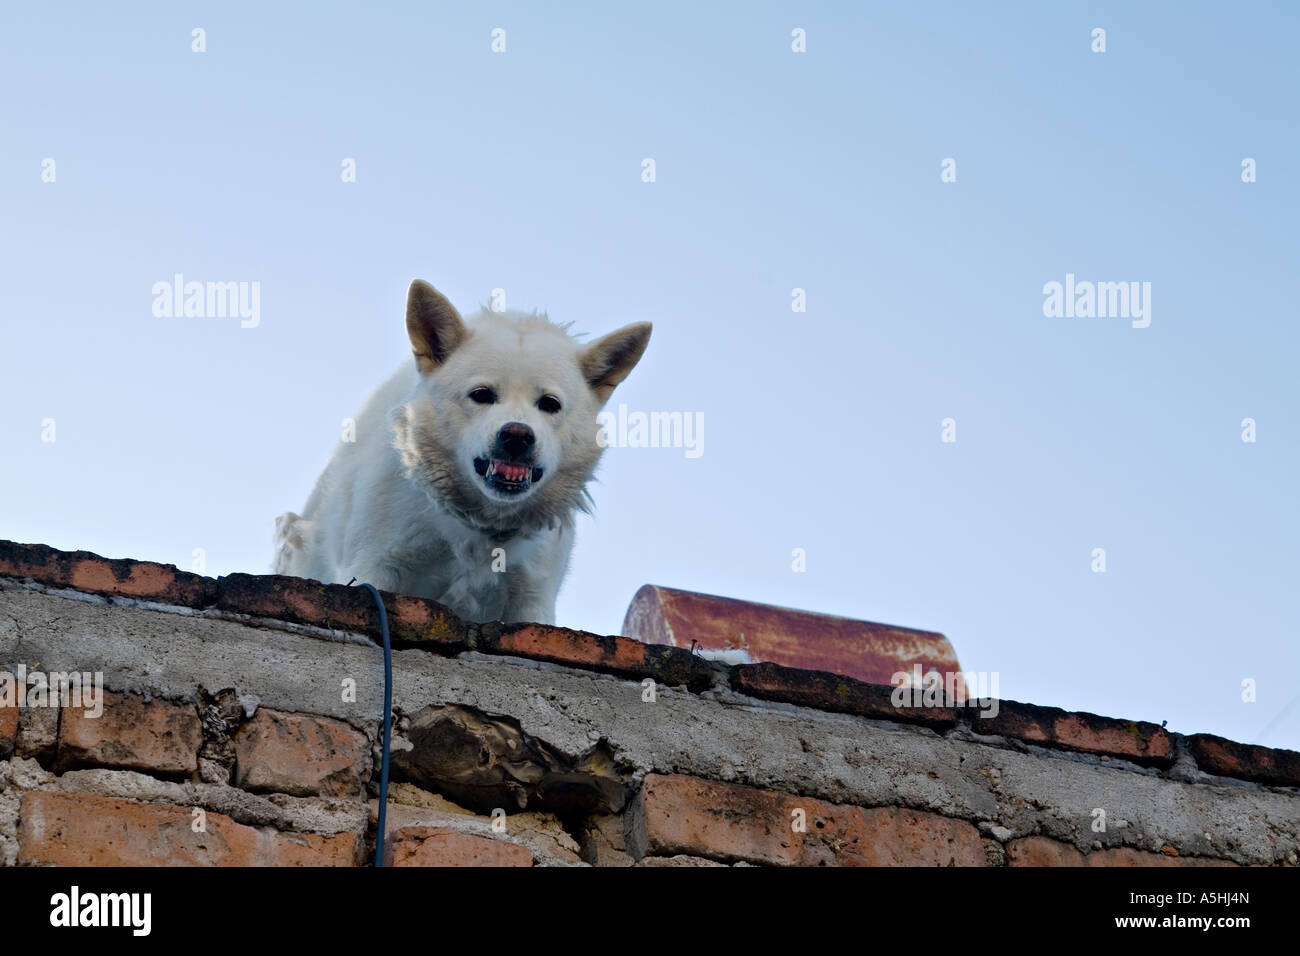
[549,404]
[483,395]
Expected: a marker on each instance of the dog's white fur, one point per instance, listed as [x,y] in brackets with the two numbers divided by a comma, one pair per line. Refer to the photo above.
[403,506]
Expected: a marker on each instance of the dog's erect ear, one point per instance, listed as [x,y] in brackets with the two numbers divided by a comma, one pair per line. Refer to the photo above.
[433,325]
[607,361]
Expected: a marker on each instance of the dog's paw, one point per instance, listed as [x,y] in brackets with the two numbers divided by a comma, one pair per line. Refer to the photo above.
[290,539]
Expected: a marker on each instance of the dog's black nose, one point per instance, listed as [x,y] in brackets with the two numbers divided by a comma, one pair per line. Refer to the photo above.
[516,439]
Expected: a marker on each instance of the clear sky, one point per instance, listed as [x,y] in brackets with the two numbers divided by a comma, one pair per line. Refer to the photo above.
[775,170]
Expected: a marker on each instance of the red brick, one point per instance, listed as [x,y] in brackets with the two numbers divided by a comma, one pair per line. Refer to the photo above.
[83,830]
[870,652]
[1227,758]
[832,692]
[158,736]
[688,815]
[89,572]
[1044,851]
[615,655]
[411,621]
[603,841]
[300,755]
[1138,741]
[439,846]
[8,730]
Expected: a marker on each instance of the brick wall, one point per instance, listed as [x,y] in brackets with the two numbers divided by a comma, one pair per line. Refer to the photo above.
[241,715]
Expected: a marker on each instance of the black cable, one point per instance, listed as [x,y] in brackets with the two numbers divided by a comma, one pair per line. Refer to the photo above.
[388,725]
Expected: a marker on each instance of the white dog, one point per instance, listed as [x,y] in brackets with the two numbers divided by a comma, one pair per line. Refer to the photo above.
[468,466]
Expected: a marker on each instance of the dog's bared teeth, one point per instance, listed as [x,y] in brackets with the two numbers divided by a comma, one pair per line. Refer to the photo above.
[513,475]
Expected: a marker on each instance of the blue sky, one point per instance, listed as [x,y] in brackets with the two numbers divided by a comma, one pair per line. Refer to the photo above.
[774,170]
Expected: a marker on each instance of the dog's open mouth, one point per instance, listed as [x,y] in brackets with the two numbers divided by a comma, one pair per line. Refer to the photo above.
[508,476]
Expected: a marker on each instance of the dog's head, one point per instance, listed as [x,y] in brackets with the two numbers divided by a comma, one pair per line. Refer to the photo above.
[502,426]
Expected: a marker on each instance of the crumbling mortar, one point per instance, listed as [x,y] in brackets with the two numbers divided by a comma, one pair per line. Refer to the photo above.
[966,734]
[282,812]
[824,781]
[1184,768]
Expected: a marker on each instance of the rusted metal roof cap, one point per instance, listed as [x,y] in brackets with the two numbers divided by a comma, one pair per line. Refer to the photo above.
[744,632]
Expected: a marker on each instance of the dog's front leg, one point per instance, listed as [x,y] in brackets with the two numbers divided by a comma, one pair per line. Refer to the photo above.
[533,583]
[529,607]
[528,597]
[384,576]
